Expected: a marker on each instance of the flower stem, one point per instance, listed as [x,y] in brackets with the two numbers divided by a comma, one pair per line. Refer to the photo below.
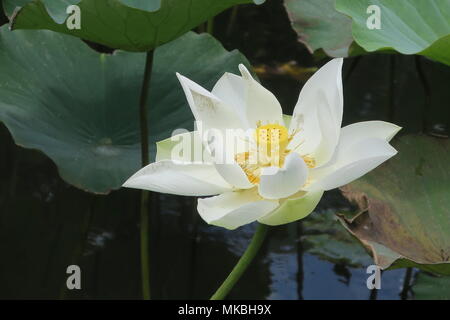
[143,116]
[427,91]
[143,110]
[243,263]
[391,105]
[232,21]
[210,26]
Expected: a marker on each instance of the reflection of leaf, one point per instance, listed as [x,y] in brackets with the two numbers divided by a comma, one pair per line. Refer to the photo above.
[326,238]
[114,24]
[406,205]
[429,287]
[81,108]
[407,26]
[319,25]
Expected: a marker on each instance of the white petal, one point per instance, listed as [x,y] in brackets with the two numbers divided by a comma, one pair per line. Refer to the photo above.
[307,133]
[182,179]
[223,151]
[235,208]
[351,163]
[356,132]
[368,129]
[231,89]
[234,175]
[184,147]
[285,181]
[293,209]
[318,112]
[330,132]
[207,108]
[261,104]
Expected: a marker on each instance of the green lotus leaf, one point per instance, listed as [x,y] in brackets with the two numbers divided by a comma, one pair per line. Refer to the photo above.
[148,5]
[132,25]
[405,206]
[407,26]
[153,5]
[319,25]
[81,108]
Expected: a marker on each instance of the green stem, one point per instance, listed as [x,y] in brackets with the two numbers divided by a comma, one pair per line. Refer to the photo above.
[144,234]
[391,105]
[243,263]
[210,26]
[427,91]
[143,109]
[232,21]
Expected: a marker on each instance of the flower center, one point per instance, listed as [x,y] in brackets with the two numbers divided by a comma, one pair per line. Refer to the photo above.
[271,150]
[271,141]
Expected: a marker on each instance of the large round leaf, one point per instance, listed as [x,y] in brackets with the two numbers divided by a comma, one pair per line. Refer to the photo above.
[407,26]
[81,108]
[319,25]
[406,206]
[142,27]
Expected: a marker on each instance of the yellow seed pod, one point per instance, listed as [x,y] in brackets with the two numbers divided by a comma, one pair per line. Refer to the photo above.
[272,140]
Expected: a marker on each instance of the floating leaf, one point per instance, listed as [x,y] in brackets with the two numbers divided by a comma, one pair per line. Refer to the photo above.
[405,206]
[81,108]
[430,287]
[407,26]
[319,25]
[114,23]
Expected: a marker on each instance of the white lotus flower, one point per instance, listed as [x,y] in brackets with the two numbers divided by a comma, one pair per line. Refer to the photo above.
[314,153]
